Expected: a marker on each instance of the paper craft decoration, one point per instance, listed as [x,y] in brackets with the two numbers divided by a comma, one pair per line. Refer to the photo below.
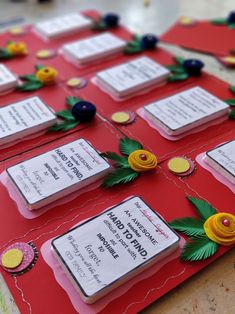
[222,160]
[55,174]
[63,25]
[136,161]
[125,80]
[206,233]
[107,21]
[180,113]
[141,43]
[114,247]
[13,49]
[23,118]
[80,111]
[44,76]
[93,49]
[8,80]
[203,36]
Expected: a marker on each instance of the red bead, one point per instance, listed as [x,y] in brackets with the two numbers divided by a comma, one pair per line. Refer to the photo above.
[143,157]
[226,222]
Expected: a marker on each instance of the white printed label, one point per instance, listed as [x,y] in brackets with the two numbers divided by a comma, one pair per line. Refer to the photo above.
[111,245]
[94,47]
[224,155]
[29,115]
[7,79]
[187,109]
[133,75]
[62,25]
[64,169]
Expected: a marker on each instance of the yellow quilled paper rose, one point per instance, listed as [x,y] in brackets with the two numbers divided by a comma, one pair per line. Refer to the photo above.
[220,228]
[142,160]
[17,49]
[47,75]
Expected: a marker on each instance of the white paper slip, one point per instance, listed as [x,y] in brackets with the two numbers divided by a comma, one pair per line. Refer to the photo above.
[7,79]
[222,159]
[131,77]
[57,173]
[185,111]
[63,25]
[24,118]
[107,250]
[94,48]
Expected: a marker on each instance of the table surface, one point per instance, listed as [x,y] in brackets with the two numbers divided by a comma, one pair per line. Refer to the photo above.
[213,289]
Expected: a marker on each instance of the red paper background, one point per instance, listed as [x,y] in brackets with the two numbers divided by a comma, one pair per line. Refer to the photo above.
[162,190]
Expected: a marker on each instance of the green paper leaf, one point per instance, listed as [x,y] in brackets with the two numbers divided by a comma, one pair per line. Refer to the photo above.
[127,146]
[132,50]
[204,209]
[121,161]
[30,77]
[232,114]
[120,176]
[219,21]
[190,226]
[65,114]
[179,60]
[71,101]
[232,25]
[176,68]
[100,26]
[231,101]
[66,126]
[137,37]
[199,249]
[232,88]
[178,77]
[30,86]
[39,67]
[5,54]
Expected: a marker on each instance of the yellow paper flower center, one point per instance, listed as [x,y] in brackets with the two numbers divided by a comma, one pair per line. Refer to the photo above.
[220,228]
[17,49]
[142,160]
[47,75]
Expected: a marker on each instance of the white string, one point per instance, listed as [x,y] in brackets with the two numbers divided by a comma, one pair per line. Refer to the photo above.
[22,294]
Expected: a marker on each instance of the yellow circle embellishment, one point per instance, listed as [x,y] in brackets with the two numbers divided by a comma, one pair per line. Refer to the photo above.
[43,54]
[120,117]
[12,258]
[184,20]
[47,75]
[17,30]
[178,165]
[142,160]
[230,60]
[73,82]
[17,49]
[220,228]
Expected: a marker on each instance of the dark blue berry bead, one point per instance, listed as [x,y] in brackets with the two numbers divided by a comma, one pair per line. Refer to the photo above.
[111,19]
[149,41]
[193,66]
[83,111]
[231,18]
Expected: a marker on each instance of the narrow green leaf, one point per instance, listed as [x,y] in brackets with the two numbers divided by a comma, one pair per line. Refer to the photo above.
[39,66]
[71,101]
[219,21]
[178,77]
[232,25]
[101,26]
[30,86]
[190,226]
[232,114]
[132,50]
[137,37]
[121,161]
[66,126]
[120,176]
[232,88]
[30,77]
[204,209]
[65,114]
[199,249]
[5,54]
[127,146]
[179,60]
[176,68]
[231,101]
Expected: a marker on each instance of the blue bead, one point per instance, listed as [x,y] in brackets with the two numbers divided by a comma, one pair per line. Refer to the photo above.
[193,66]
[231,18]
[149,41]
[111,19]
[83,111]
